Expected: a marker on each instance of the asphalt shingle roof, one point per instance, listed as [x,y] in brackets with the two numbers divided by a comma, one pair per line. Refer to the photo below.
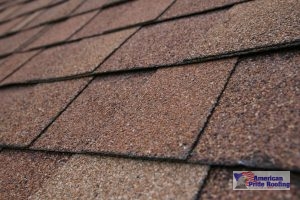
[137,99]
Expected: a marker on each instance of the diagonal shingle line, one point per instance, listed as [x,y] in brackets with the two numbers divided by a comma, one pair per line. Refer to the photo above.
[59,113]
[203,128]
[34,37]
[50,5]
[41,50]
[203,184]
[286,46]
[146,23]
[73,99]
[87,74]
[13,4]
[66,17]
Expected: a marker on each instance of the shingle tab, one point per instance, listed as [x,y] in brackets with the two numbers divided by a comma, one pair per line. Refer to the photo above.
[216,33]
[23,173]
[70,59]
[219,186]
[153,114]
[257,121]
[184,7]
[14,42]
[61,31]
[26,111]
[87,177]
[13,62]
[124,15]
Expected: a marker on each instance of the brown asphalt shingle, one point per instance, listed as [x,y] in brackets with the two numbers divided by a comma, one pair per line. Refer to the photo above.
[257,121]
[31,7]
[70,59]
[212,34]
[87,177]
[5,14]
[23,173]
[123,15]
[216,113]
[90,5]
[185,7]
[26,111]
[14,42]
[157,114]
[219,186]
[11,63]
[56,12]
[61,31]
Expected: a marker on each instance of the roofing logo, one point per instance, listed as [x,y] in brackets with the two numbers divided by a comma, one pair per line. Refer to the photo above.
[261,180]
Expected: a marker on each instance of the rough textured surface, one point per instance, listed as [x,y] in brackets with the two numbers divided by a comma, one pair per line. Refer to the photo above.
[23,173]
[86,177]
[61,31]
[14,42]
[26,111]
[70,59]
[13,62]
[257,121]
[124,15]
[216,33]
[156,114]
[56,12]
[184,7]
[219,186]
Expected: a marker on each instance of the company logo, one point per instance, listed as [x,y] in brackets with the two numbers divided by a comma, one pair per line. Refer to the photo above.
[261,180]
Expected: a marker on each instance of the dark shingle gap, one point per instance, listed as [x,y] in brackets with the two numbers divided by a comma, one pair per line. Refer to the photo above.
[146,23]
[198,195]
[60,112]
[64,18]
[41,24]
[216,103]
[145,158]
[85,74]
[248,52]
[50,5]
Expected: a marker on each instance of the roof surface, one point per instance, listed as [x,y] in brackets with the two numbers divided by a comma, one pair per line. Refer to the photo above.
[160,99]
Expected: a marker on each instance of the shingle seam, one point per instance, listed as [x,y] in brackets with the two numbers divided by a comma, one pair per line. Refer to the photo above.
[50,5]
[135,69]
[145,158]
[213,108]
[13,4]
[203,184]
[15,70]
[105,6]
[145,23]
[75,97]
[59,113]
[8,34]
[64,18]
[41,50]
